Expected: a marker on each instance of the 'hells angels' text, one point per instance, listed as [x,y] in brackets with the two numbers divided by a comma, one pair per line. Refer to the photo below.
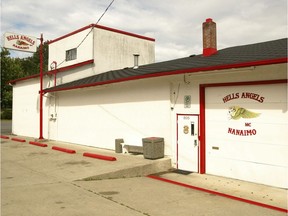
[21,37]
[248,95]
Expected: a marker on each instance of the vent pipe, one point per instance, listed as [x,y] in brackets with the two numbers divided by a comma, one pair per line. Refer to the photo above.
[136,61]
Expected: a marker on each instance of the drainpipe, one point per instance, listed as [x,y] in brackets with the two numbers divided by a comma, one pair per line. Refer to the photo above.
[55,70]
[41,88]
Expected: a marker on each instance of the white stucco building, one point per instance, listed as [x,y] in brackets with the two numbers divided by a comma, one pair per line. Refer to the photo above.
[222,112]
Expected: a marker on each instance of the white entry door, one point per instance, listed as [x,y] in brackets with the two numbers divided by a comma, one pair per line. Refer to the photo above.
[187,142]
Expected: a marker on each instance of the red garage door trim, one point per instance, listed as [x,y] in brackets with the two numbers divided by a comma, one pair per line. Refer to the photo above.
[202,168]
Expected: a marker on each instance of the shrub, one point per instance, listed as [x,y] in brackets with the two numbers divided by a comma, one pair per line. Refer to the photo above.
[6,114]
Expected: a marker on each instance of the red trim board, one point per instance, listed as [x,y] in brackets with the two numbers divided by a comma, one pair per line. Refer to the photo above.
[219,194]
[52,72]
[104,28]
[167,73]
[202,89]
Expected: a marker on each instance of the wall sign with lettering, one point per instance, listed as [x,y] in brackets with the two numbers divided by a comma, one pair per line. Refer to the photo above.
[237,112]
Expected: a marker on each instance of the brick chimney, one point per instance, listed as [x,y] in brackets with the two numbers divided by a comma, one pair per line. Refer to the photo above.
[209,37]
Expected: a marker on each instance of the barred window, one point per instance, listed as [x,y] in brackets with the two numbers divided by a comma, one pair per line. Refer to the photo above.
[71,54]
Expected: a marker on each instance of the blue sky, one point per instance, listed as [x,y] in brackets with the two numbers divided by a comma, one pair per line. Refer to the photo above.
[176,25]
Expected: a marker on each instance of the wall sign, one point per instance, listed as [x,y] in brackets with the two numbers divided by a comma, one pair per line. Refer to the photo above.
[20,42]
[239,112]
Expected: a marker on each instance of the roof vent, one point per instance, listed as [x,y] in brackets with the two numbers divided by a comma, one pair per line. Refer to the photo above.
[209,37]
[136,61]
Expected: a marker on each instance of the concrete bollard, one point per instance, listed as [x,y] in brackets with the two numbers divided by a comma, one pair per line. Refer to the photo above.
[118,146]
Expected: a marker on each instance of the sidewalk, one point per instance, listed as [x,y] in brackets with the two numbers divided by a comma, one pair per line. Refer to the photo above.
[72,165]
[263,194]
[76,167]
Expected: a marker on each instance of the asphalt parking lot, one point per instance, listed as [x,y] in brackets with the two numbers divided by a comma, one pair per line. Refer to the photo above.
[40,181]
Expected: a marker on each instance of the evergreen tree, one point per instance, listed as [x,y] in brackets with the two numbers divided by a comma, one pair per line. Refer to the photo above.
[15,68]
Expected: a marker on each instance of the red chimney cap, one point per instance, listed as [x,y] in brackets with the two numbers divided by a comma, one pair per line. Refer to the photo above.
[209,20]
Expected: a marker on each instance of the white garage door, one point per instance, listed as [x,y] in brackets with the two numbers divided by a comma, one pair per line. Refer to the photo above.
[247,133]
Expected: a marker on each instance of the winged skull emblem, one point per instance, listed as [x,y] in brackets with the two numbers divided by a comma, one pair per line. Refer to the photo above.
[237,112]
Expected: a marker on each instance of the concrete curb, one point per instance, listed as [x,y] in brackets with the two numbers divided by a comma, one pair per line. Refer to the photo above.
[69,151]
[140,170]
[38,144]
[18,140]
[101,157]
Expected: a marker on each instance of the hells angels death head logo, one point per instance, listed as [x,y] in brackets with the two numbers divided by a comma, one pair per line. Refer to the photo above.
[237,112]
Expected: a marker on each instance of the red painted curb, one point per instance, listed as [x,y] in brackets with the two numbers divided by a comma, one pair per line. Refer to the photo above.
[101,157]
[70,151]
[4,137]
[18,140]
[38,144]
[219,194]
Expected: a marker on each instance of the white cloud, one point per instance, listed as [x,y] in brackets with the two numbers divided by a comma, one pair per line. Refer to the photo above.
[176,25]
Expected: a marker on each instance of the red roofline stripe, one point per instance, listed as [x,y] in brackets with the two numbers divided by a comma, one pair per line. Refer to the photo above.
[23,78]
[62,69]
[104,28]
[167,73]
[125,33]
[71,33]
[51,72]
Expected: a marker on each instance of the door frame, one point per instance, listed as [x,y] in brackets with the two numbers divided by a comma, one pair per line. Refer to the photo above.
[177,137]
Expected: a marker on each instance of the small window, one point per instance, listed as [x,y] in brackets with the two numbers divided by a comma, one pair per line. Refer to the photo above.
[71,54]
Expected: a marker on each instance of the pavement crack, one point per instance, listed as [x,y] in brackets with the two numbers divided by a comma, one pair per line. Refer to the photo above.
[109,198]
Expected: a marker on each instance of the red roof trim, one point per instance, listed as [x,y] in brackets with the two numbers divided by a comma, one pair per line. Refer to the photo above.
[62,69]
[260,82]
[124,32]
[167,73]
[71,33]
[23,78]
[101,27]
[91,61]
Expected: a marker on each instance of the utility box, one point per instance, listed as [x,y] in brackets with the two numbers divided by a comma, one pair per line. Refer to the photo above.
[118,146]
[153,147]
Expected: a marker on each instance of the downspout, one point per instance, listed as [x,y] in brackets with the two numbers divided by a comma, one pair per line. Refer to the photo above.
[41,88]
[55,70]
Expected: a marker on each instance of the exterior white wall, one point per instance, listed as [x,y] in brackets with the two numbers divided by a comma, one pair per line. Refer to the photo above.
[25,116]
[75,74]
[262,174]
[189,85]
[57,49]
[98,116]
[110,50]
[115,51]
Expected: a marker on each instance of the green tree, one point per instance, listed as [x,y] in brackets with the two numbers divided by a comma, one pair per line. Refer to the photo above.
[31,65]
[11,68]
[15,68]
